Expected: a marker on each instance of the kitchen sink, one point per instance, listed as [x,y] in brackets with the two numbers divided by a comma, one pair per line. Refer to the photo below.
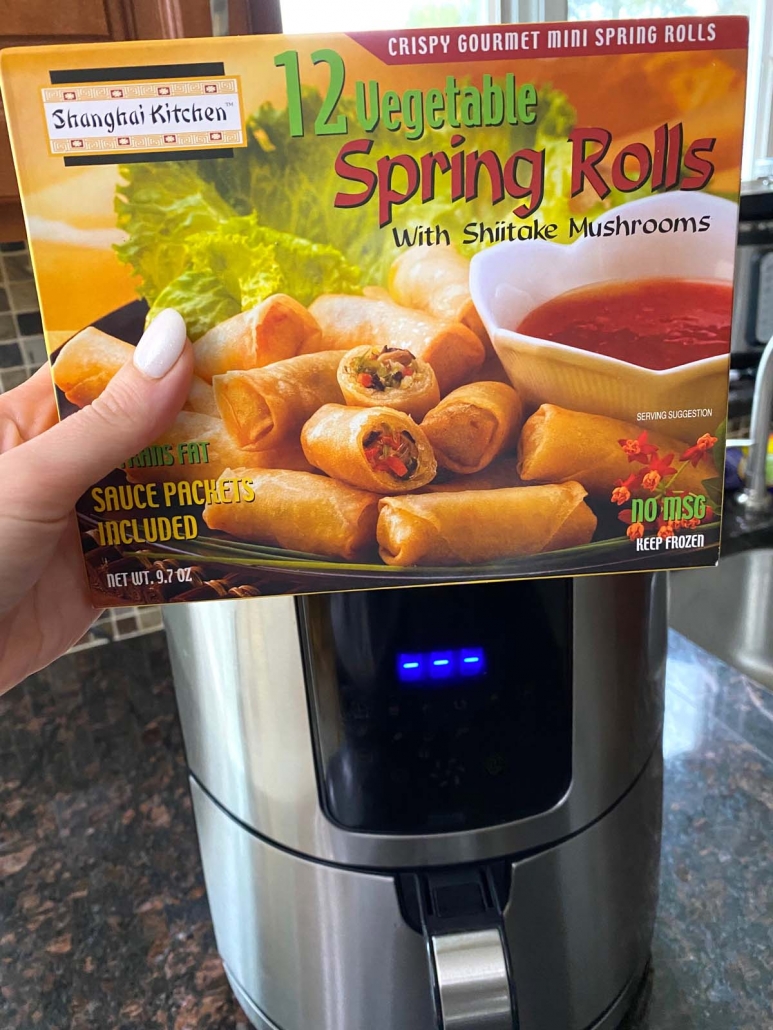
[729,611]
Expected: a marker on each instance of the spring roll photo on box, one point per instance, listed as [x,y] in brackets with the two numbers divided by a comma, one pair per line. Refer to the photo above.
[456,316]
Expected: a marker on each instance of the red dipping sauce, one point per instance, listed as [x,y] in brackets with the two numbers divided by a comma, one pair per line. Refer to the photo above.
[653,323]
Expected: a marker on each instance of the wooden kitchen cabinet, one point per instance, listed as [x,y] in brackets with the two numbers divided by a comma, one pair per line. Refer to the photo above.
[37,22]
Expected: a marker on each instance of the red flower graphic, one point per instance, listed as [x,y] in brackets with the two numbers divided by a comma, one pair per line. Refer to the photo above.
[635,530]
[638,449]
[695,453]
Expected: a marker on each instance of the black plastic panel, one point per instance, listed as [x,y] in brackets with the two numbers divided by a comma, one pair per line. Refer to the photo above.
[456,749]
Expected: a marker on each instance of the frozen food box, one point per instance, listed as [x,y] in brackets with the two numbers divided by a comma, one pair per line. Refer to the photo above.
[460,299]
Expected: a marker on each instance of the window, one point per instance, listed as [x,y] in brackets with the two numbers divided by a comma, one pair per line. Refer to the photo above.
[362,15]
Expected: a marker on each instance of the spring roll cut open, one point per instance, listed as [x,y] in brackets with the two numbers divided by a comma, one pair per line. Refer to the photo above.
[557,445]
[473,425]
[437,280]
[377,449]
[299,512]
[86,364]
[388,377]
[480,526]
[452,349]
[265,407]
[274,330]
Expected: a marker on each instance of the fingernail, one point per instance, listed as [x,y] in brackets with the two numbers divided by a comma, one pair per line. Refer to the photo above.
[161,344]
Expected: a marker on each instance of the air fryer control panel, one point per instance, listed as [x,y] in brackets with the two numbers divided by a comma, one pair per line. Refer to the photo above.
[440,709]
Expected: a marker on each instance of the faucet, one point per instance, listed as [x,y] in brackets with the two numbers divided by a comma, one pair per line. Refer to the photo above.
[756,498]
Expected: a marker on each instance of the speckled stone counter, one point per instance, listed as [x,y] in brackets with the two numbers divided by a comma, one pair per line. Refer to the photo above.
[103,918]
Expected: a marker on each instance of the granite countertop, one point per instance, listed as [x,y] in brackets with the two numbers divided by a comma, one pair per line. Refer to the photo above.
[103,916]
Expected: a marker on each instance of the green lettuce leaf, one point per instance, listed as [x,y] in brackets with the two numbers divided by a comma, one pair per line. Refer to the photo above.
[160,205]
[239,263]
[203,299]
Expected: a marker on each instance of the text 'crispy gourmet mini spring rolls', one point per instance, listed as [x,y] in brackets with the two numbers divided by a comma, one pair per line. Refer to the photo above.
[278,328]
[265,407]
[477,526]
[300,512]
[87,363]
[473,424]
[376,449]
[557,445]
[389,377]
[199,447]
[437,280]
[453,350]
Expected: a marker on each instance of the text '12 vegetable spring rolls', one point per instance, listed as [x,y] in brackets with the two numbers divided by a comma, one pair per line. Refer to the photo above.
[86,364]
[474,424]
[278,328]
[197,446]
[452,349]
[264,407]
[388,377]
[437,280]
[376,449]
[557,445]
[298,511]
[482,525]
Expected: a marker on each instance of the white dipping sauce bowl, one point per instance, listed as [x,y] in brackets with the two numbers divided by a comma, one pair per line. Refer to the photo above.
[510,280]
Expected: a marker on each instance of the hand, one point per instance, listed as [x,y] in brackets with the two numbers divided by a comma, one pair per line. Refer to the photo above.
[45,466]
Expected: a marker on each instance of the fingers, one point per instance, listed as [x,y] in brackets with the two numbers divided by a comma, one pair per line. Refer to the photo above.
[27,410]
[140,402]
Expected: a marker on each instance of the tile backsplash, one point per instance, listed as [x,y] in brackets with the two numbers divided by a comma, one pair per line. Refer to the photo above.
[22,352]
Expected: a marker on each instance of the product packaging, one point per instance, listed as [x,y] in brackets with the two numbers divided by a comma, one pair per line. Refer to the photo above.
[460,299]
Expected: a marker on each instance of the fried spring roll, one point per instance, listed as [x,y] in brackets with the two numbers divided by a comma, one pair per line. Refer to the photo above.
[87,363]
[452,349]
[437,280]
[557,445]
[499,474]
[265,407]
[388,377]
[300,512]
[201,398]
[377,449]
[278,328]
[474,424]
[477,526]
[199,447]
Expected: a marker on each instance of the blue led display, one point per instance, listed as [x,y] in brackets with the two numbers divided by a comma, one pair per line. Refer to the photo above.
[435,666]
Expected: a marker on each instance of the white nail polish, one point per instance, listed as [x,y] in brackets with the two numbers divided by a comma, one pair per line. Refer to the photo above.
[161,344]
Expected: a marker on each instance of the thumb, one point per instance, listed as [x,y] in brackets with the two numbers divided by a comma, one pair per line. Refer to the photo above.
[46,475]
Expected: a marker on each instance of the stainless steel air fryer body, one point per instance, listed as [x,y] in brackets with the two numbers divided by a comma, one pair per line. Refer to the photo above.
[395,839]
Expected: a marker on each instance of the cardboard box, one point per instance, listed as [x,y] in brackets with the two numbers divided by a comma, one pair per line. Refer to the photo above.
[460,299]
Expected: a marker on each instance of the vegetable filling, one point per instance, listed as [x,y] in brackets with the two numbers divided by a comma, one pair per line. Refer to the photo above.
[387,369]
[390,451]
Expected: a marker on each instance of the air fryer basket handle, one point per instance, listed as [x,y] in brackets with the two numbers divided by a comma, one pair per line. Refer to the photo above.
[472,982]
[459,913]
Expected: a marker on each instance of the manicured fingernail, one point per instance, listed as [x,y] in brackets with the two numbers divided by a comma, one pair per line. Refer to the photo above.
[161,344]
